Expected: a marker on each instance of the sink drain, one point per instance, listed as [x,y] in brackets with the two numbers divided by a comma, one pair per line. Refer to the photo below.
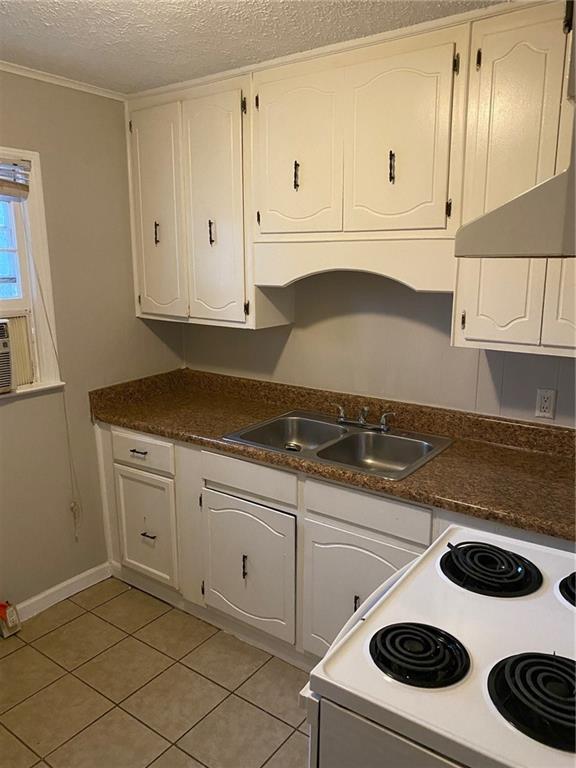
[292,447]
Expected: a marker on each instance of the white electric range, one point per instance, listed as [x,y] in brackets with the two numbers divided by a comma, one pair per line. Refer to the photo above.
[464,659]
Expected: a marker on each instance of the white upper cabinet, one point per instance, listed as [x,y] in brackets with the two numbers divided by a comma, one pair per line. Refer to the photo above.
[298,140]
[158,212]
[559,320]
[516,73]
[212,127]
[397,141]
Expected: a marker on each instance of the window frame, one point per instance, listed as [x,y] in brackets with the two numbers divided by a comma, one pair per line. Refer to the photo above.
[37,301]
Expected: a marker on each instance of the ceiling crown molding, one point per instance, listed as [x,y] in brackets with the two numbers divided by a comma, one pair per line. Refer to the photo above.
[65,82]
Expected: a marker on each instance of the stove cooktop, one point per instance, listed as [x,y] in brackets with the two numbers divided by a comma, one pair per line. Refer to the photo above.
[506,701]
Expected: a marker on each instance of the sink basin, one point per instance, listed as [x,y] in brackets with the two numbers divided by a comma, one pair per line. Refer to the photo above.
[391,455]
[378,453]
[293,433]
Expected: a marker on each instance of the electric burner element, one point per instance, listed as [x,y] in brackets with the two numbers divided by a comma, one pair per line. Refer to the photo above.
[488,570]
[567,588]
[419,655]
[535,692]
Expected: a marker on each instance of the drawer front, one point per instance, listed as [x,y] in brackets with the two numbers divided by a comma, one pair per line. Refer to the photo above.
[254,479]
[379,513]
[250,569]
[342,567]
[147,519]
[144,452]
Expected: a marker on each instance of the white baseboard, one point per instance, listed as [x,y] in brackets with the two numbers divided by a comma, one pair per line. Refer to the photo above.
[34,605]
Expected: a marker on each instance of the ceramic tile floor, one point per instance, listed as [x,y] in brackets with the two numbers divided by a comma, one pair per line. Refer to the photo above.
[114,678]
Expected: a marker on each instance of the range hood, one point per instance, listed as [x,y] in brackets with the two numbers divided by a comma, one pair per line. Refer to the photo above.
[538,223]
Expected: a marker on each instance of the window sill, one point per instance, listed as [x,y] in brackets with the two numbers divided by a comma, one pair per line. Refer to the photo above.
[31,390]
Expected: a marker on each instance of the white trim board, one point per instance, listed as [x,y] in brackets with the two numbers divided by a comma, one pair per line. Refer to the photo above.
[65,82]
[59,592]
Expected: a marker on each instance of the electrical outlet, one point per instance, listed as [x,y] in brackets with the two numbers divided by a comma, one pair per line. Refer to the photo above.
[545,403]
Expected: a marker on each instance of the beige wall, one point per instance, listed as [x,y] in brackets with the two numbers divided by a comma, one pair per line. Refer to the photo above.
[80,138]
[365,334]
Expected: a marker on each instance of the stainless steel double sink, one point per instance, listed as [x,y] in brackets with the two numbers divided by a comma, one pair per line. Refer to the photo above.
[392,455]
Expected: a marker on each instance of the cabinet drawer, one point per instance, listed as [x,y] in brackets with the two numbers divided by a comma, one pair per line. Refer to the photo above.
[266,483]
[250,562]
[342,567]
[379,513]
[143,452]
[147,519]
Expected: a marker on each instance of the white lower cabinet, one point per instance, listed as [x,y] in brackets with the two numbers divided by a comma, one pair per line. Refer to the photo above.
[147,523]
[250,553]
[342,567]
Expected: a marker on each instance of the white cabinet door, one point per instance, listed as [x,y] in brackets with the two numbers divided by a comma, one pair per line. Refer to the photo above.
[213,161]
[513,116]
[298,154]
[250,562]
[559,320]
[341,569]
[397,141]
[147,520]
[158,210]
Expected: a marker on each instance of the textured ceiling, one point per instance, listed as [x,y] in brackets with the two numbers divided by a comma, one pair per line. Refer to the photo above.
[131,45]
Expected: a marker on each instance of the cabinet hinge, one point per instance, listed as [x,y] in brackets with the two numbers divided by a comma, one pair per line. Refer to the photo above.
[257,101]
[243,104]
[478,58]
[568,22]
[456,64]
[448,208]
[200,499]
[139,300]
[130,125]
[258,217]
[203,588]
[246,307]
[463,320]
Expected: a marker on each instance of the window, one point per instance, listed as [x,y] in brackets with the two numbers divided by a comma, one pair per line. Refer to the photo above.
[25,287]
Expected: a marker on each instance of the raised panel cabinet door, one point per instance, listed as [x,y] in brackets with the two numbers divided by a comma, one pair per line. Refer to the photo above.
[397,141]
[513,116]
[341,569]
[250,562]
[559,320]
[212,127]
[147,518]
[158,210]
[298,154]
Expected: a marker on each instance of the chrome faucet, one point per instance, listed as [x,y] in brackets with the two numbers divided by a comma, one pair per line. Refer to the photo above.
[384,426]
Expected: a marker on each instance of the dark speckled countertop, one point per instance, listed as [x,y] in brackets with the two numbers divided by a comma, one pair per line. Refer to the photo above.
[512,472]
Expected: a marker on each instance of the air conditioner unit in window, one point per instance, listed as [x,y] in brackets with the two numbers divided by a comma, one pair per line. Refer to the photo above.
[5,357]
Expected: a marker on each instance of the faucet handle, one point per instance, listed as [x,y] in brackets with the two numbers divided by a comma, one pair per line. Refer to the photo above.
[341,412]
[384,426]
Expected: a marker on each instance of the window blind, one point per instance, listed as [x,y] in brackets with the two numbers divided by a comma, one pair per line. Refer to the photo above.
[14,180]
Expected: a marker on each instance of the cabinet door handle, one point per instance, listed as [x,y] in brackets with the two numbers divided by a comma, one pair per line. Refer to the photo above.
[147,535]
[211,232]
[156,233]
[244,566]
[356,602]
[296,175]
[136,452]
[392,167]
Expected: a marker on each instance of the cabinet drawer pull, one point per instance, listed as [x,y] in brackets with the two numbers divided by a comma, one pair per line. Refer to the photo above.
[147,535]
[356,602]
[296,175]
[136,452]
[244,568]
[392,167]
[156,231]
[211,232]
